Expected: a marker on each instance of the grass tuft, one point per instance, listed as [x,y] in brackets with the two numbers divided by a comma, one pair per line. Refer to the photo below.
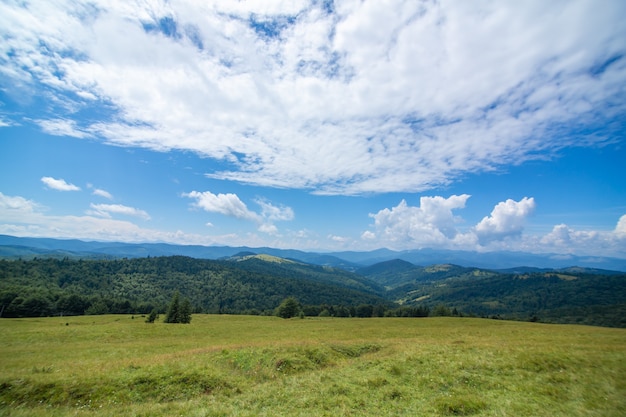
[460,405]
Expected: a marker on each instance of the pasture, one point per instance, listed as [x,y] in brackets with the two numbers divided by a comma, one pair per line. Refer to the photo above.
[265,366]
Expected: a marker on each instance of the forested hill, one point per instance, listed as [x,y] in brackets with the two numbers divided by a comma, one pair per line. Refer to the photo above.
[249,283]
[53,286]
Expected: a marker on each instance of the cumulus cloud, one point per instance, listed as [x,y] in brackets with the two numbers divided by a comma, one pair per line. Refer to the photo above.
[231,205]
[506,219]
[352,98]
[431,224]
[434,224]
[59,184]
[105,210]
[226,204]
[565,239]
[620,229]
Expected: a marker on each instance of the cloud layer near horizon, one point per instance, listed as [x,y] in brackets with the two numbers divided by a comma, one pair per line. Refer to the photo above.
[432,224]
[353,98]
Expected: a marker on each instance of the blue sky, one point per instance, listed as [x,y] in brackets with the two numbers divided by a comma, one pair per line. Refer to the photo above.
[348,125]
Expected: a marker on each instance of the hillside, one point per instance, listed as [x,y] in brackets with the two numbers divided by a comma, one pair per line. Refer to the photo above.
[399,273]
[253,283]
[572,296]
[51,286]
[272,265]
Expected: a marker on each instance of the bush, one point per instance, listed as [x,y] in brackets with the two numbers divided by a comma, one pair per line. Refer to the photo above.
[290,307]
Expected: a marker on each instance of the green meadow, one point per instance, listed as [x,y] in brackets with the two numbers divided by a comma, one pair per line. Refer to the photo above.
[222,365]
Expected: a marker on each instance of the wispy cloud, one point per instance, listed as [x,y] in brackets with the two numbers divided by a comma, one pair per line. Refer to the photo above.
[4,122]
[102,193]
[105,210]
[59,184]
[16,206]
[23,217]
[356,98]
[61,127]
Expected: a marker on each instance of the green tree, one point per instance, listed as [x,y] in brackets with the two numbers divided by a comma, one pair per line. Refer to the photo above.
[185,312]
[153,316]
[173,311]
[72,305]
[178,311]
[97,307]
[290,307]
[441,310]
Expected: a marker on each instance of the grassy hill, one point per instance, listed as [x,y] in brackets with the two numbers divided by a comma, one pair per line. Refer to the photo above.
[222,365]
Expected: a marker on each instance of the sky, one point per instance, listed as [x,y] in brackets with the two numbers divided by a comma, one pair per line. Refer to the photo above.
[316,125]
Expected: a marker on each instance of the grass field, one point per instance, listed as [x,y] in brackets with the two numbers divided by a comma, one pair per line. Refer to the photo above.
[265,366]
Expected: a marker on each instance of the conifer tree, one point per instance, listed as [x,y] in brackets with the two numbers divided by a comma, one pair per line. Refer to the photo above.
[178,311]
[185,312]
[173,311]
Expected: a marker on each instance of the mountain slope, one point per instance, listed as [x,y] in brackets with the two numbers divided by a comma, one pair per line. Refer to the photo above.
[287,268]
[399,273]
[138,285]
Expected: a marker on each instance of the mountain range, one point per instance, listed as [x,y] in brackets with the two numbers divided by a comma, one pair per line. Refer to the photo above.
[12,247]
[48,276]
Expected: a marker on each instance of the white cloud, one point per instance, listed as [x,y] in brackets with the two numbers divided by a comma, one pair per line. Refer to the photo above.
[226,204]
[564,239]
[506,219]
[230,205]
[105,210]
[102,193]
[268,228]
[620,229]
[14,206]
[272,212]
[430,224]
[5,123]
[59,184]
[369,97]
[61,127]
[433,225]
[368,235]
[338,239]
[23,217]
